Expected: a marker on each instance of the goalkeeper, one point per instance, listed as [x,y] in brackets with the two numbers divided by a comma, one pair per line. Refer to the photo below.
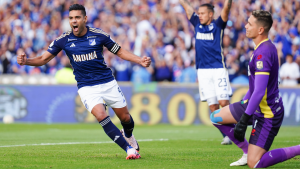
[262,106]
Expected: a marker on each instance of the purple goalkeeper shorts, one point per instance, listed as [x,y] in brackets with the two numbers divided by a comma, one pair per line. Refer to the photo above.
[237,110]
[264,130]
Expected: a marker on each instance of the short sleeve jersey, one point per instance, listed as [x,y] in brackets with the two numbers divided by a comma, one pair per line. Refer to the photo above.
[264,61]
[86,55]
[209,50]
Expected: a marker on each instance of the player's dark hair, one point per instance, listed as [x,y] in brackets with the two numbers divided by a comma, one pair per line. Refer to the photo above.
[78,7]
[210,7]
[264,17]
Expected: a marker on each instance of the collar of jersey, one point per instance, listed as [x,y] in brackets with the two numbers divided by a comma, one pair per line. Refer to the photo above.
[261,43]
[88,29]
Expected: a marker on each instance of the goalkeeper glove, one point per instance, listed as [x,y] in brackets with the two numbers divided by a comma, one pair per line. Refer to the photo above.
[241,127]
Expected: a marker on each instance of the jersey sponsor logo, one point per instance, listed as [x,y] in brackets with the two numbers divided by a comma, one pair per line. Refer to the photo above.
[259,65]
[92,42]
[259,57]
[71,39]
[72,45]
[205,36]
[85,57]
[91,37]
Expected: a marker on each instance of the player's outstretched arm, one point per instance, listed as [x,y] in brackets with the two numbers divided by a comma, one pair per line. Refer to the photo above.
[225,10]
[36,61]
[124,54]
[187,7]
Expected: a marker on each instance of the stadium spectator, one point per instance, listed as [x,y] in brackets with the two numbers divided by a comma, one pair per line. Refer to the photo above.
[65,75]
[33,24]
[289,72]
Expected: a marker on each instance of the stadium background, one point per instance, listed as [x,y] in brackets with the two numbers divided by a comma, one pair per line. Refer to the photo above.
[167,91]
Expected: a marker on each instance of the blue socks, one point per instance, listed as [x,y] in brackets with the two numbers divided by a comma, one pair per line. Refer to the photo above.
[128,127]
[114,133]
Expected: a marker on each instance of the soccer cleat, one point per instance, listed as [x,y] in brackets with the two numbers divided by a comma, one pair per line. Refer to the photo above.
[242,161]
[132,153]
[131,141]
[226,141]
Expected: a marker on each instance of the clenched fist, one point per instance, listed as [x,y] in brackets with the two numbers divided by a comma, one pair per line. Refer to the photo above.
[21,59]
[146,61]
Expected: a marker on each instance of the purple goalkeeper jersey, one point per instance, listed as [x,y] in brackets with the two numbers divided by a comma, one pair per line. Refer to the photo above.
[264,61]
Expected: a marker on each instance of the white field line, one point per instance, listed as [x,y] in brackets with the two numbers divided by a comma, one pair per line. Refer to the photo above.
[68,143]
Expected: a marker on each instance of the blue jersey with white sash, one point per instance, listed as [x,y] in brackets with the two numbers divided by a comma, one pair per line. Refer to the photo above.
[86,55]
[209,51]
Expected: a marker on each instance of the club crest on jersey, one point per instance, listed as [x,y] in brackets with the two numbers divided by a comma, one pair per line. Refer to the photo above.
[259,65]
[92,42]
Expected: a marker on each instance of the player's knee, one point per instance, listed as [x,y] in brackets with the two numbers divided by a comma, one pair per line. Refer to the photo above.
[224,103]
[100,116]
[125,118]
[215,119]
[251,163]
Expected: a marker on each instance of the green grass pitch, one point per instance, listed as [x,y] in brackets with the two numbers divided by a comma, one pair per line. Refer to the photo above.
[87,146]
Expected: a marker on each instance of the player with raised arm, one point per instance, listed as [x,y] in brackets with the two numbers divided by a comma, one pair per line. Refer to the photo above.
[96,83]
[214,86]
[262,105]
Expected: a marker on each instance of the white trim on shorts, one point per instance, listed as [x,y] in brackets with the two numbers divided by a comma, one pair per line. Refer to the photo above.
[214,83]
[110,93]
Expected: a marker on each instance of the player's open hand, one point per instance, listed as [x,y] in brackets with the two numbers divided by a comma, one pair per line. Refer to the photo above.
[146,61]
[21,59]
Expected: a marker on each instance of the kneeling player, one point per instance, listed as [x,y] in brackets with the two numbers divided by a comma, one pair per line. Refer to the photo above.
[262,106]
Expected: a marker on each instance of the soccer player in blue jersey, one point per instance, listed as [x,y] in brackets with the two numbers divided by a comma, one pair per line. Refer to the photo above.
[262,105]
[96,83]
[214,86]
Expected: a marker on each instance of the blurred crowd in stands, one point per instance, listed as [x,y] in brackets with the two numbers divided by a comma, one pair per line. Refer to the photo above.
[155,28]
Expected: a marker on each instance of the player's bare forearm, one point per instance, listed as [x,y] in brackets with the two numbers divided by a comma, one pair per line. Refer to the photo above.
[187,7]
[126,55]
[225,10]
[36,61]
